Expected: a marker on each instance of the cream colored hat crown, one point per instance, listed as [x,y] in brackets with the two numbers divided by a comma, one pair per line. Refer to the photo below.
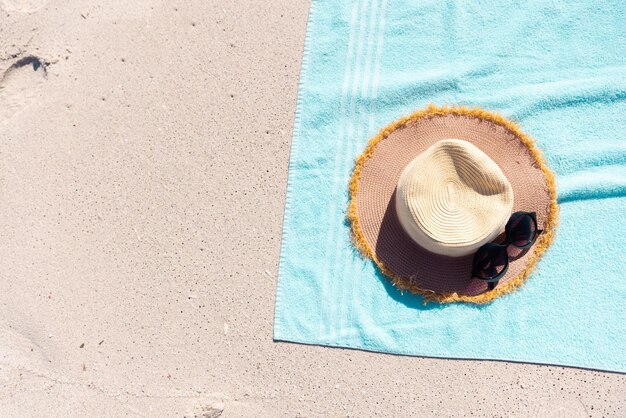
[453,198]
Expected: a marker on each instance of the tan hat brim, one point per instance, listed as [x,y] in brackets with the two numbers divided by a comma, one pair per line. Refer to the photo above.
[377,231]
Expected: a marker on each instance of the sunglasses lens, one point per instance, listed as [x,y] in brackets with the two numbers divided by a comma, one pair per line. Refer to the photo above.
[522,230]
[489,263]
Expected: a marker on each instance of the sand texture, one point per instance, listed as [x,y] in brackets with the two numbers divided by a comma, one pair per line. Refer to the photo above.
[143,165]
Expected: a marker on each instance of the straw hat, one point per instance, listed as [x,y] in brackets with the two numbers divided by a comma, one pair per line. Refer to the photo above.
[433,187]
[453,198]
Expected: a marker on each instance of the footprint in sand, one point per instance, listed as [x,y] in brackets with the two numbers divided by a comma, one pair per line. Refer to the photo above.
[24,6]
[20,85]
[213,410]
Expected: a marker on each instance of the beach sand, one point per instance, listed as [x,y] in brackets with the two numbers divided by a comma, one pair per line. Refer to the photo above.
[143,165]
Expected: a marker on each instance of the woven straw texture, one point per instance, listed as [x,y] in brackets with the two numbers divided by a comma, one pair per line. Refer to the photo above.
[379,235]
[453,198]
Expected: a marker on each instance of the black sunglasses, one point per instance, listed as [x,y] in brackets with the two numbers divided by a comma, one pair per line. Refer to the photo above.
[491,261]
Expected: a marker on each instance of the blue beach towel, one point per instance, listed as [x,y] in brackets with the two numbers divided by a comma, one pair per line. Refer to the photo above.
[556,67]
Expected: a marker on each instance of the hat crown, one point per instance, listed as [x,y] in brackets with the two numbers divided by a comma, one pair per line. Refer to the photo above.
[453,198]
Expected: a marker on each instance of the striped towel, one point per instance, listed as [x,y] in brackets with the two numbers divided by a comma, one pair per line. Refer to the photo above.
[556,67]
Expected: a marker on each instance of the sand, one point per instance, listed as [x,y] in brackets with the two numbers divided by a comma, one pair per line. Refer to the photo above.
[143,164]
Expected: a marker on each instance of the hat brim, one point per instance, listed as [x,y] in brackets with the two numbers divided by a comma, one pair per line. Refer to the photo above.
[377,232]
